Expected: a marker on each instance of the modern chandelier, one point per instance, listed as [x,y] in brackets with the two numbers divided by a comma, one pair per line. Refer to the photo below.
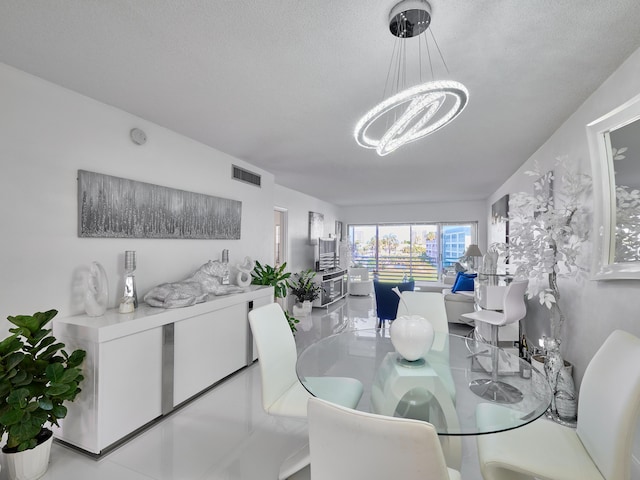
[410,113]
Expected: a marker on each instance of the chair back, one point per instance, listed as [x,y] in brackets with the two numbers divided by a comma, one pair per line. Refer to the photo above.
[514,306]
[609,404]
[346,443]
[357,274]
[387,300]
[277,352]
[429,305]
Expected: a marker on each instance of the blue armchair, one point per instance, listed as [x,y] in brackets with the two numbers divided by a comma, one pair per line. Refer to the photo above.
[387,300]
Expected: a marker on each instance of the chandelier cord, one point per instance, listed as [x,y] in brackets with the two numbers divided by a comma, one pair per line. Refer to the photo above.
[386,83]
[439,52]
[426,42]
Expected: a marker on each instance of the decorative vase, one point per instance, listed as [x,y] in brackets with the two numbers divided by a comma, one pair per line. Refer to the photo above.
[537,362]
[563,407]
[96,295]
[29,464]
[411,336]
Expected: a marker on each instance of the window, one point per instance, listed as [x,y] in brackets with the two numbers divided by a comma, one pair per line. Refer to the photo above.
[402,251]
[279,236]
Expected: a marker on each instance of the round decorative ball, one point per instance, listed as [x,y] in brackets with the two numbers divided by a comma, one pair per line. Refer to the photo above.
[411,336]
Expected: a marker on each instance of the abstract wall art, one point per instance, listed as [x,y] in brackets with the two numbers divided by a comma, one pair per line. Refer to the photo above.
[113,207]
[339,230]
[499,231]
[316,227]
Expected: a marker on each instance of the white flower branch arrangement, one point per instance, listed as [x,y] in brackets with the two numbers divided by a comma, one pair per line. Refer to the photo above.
[547,233]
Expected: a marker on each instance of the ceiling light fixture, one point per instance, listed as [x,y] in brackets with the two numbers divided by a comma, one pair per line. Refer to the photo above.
[411,113]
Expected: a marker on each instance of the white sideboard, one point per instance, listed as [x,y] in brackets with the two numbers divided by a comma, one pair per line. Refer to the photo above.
[141,365]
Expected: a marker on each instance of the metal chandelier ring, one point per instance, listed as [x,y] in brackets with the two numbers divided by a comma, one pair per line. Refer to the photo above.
[425,101]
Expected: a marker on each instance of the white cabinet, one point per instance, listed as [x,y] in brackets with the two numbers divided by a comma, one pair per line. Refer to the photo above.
[129,396]
[207,350]
[251,344]
[334,286]
[141,365]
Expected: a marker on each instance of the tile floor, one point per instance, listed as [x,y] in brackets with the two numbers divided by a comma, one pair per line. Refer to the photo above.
[224,434]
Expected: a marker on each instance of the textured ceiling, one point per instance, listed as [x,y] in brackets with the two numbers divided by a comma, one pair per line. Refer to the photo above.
[282,83]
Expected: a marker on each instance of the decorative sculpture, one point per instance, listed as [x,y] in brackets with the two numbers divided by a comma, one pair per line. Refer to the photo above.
[244,272]
[192,290]
[96,295]
[129,300]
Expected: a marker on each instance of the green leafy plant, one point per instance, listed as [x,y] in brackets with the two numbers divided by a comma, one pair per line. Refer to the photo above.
[292,321]
[304,288]
[278,278]
[275,277]
[36,377]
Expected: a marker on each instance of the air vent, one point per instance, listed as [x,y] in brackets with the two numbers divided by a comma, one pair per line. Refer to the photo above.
[246,176]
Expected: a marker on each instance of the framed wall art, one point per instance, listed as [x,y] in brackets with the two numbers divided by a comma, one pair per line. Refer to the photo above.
[316,227]
[113,207]
[499,230]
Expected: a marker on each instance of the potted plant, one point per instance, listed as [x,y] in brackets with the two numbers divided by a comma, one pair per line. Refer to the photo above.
[547,233]
[36,377]
[305,289]
[278,278]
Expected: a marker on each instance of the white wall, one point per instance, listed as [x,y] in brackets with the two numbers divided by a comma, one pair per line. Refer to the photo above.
[593,308]
[47,133]
[422,212]
[300,255]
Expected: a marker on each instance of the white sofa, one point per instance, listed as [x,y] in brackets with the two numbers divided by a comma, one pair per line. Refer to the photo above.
[455,304]
[359,283]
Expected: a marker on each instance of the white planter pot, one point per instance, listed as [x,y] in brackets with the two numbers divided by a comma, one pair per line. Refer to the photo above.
[298,311]
[307,306]
[30,464]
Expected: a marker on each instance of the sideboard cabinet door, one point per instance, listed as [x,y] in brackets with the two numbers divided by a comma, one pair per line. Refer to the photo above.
[208,348]
[130,384]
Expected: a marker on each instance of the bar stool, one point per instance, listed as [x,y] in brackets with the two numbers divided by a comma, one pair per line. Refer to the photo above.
[514,309]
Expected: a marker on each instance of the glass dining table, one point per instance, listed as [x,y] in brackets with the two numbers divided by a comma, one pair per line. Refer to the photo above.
[434,389]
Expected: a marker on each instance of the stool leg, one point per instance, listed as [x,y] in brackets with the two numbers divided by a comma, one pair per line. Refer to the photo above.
[491,388]
[494,353]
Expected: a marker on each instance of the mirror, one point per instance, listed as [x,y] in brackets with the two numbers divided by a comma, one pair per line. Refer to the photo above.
[614,143]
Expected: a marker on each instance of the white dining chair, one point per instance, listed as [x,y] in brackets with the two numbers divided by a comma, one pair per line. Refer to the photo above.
[346,444]
[514,310]
[429,305]
[598,449]
[282,392]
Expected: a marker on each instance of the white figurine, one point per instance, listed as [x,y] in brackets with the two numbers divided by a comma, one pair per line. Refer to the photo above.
[244,272]
[191,290]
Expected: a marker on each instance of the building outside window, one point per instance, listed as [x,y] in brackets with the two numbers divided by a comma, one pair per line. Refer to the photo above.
[421,251]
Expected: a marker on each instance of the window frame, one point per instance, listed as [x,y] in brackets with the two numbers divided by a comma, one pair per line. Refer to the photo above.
[440,231]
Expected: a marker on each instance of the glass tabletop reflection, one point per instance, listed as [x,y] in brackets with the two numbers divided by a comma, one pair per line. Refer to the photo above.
[435,389]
